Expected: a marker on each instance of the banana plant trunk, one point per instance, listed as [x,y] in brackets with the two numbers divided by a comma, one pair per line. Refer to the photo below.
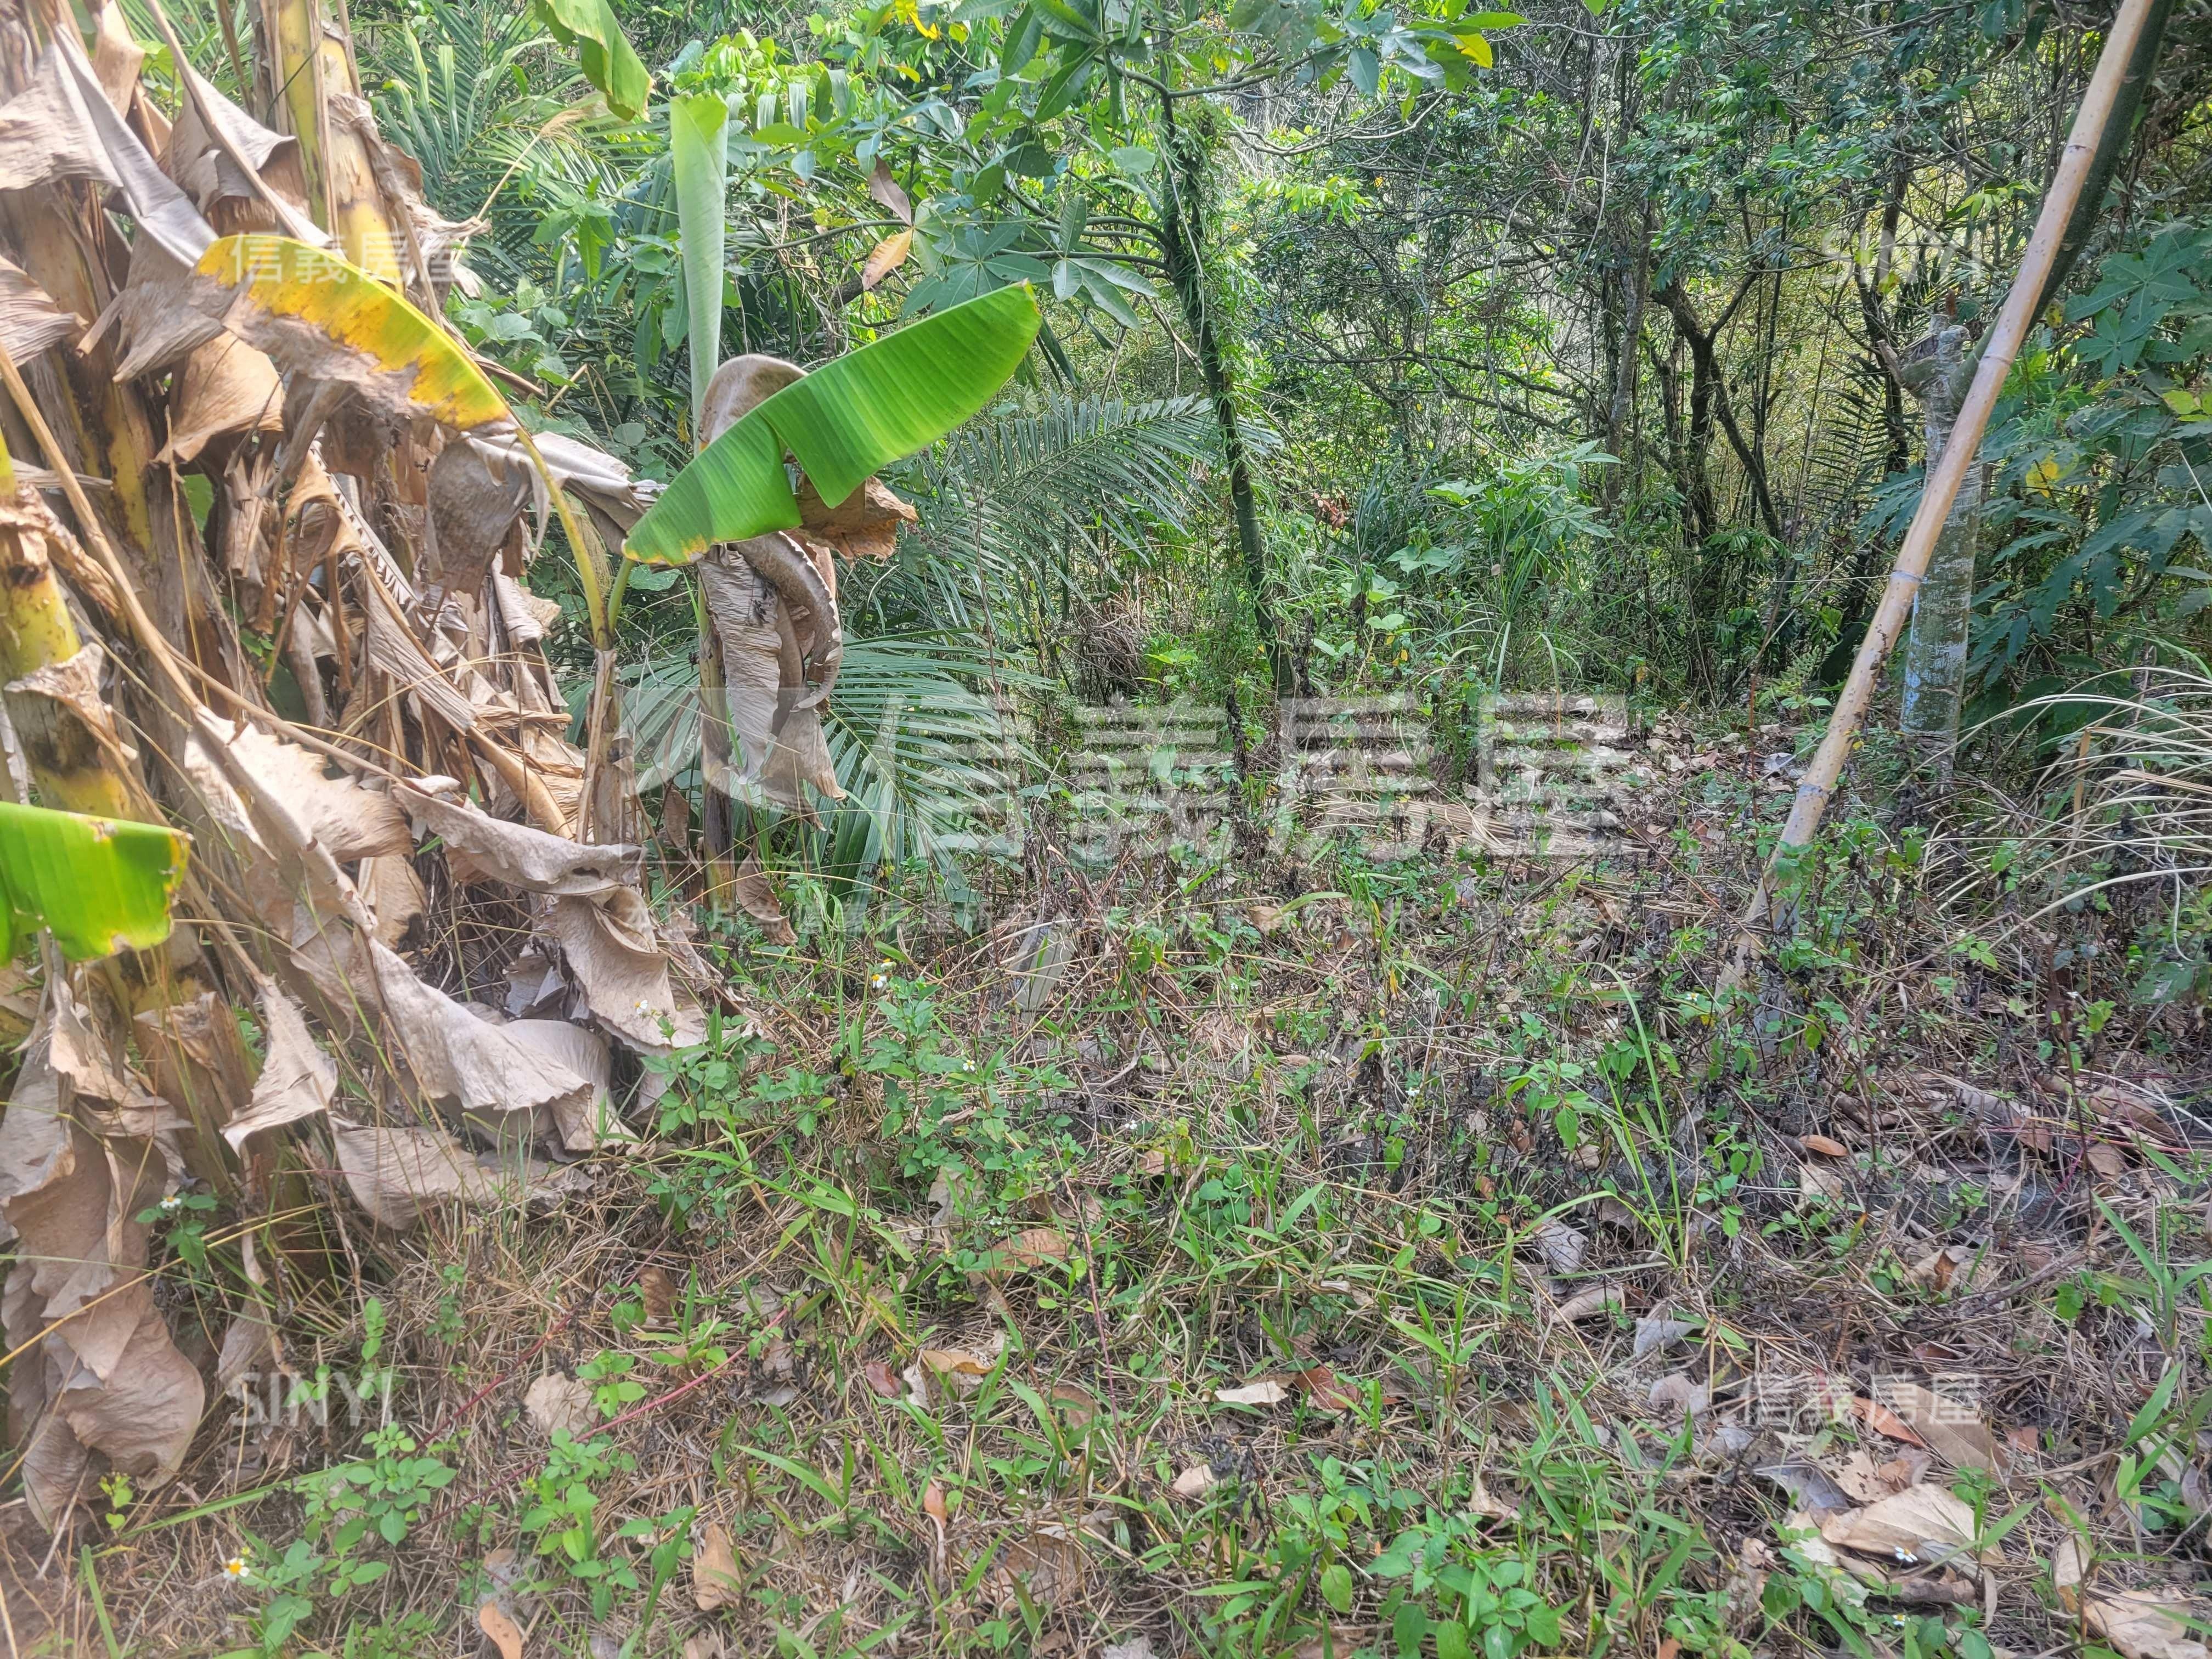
[315,87]
[72,766]
[1936,372]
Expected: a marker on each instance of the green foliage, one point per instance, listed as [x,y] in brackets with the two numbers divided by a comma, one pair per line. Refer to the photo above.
[603,51]
[559,1513]
[698,150]
[356,1513]
[842,423]
[2102,445]
[100,886]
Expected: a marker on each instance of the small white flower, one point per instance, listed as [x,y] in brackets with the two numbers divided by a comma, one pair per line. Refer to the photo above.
[967,1065]
[172,1203]
[876,981]
[644,1008]
[236,1567]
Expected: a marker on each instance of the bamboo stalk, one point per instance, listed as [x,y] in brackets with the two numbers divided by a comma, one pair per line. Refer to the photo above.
[1943,483]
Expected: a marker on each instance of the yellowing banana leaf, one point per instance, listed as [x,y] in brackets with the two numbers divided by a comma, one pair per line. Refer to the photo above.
[99,884]
[603,52]
[841,424]
[312,312]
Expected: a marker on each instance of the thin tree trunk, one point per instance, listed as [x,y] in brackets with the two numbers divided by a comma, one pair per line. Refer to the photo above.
[1707,381]
[1623,405]
[311,65]
[1182,239]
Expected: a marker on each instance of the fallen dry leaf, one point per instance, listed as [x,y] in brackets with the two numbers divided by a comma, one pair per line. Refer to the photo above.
[1195,1481]
[1812,1491]
[1027,1251]
[1612,1213]
[1075,1406]
[555,1400]
[1655,1333]
[659,1292]
[1589,1302]
[714,1579]
[1154,1162]
[2069,1569]
[1865,1481]
[933,1503]
[1953,1264]
[1325,1392]
[1819,1184]
[1949,1428]
[1489,1506]
[1266,1392]
[962,1370]
[1826,1147]
[1882,1420]
[1049,1562]
[2148,1624]
[882,1380]
[1917,1527]
[505,1635]
[1679,1395]
[1561,1246]
[1137,1647]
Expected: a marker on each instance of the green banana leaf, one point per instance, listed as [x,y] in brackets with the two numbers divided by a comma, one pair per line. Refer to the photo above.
[698,151]
[603,52]
[99,884]
[841,424]
[312,310]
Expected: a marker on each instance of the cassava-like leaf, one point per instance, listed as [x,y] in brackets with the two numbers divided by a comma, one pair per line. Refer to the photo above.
[841,424]
[99,884]
[312,310]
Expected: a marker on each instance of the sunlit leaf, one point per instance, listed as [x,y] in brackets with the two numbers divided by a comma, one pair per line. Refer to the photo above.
[312,312]
[99,884]
[841,424]
[886,256]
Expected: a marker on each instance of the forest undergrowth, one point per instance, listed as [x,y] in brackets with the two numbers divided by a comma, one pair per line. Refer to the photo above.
[1286,1255]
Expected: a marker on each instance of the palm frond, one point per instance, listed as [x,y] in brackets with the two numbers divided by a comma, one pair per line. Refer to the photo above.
[1020,504]
[1852,452]
[471,95]
[928,752]
[922,733]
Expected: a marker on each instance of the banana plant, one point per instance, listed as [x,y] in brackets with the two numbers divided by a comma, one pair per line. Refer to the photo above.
[698,151]
[314,312]
[98,884]
[841,424]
